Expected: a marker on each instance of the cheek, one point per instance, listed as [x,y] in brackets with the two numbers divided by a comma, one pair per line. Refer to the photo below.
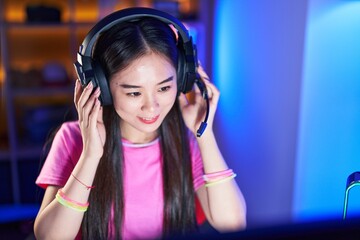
[123,105]
[169,100]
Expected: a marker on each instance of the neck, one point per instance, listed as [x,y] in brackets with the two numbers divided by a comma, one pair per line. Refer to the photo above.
[138,137]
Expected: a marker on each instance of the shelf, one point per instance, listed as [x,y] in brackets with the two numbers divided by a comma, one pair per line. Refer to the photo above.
[69,10]
[4,155]
[46,26]
[37,79]
[43,91]
[30,152]
[23,153]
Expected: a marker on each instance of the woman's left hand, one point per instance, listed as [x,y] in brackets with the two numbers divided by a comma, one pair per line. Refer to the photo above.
[194,108]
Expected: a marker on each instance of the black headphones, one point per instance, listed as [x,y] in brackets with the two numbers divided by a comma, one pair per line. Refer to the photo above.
[88,70]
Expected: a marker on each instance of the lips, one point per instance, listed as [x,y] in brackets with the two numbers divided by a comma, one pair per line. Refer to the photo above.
[148,120]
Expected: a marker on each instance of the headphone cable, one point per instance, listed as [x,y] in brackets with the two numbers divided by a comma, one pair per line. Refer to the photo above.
[204,93]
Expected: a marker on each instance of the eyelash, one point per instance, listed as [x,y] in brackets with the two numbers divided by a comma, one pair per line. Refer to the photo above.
[137,94]
[133,94]
[164,89]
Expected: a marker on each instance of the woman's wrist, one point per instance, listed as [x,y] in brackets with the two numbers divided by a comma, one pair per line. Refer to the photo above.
[208,135]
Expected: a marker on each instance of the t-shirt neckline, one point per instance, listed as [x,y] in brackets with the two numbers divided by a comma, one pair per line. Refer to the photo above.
[127,143]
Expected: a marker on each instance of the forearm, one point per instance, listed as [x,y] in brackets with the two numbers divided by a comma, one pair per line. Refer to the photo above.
[225,202]
[56,221]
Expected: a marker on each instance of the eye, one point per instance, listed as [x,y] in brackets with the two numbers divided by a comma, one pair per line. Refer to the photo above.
[133,94]
[164,89]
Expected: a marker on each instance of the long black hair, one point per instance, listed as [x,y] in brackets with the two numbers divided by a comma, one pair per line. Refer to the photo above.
[117,48]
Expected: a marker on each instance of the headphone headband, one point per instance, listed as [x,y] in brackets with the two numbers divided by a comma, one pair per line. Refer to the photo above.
[126,15]
[88,70]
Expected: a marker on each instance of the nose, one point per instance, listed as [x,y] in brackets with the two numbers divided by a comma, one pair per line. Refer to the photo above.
[150,103]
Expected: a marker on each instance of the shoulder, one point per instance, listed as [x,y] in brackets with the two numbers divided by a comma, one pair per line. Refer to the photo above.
[62,156]
[70,127]
[68,134]
[69,130]
[68,142]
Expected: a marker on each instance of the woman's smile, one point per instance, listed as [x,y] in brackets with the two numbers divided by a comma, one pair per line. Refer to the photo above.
[149,120]
[143,95]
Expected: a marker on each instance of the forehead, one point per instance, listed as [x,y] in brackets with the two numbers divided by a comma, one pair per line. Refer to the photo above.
[150,67]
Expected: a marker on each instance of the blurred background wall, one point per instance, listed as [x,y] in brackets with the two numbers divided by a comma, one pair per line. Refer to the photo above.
[328,148]
[258,61]
[287,120]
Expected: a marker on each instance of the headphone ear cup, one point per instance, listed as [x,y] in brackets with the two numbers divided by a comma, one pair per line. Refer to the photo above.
[181,71]
[87,71]
[187,63]
[101,81]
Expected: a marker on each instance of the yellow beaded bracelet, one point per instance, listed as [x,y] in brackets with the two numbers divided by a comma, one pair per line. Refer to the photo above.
[220,181]
[70,204]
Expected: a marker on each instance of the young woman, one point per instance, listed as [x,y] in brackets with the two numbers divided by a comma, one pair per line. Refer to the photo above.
[132,170]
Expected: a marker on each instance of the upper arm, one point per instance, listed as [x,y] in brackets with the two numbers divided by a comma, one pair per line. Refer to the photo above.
[204,201]
[49,196]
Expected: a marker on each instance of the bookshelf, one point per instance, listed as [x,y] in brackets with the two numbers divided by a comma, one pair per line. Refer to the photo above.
[37,79]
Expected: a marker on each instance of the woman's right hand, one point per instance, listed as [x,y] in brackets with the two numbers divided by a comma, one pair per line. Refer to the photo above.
[90,120]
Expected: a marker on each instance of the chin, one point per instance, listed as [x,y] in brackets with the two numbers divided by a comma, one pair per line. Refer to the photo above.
[151,128]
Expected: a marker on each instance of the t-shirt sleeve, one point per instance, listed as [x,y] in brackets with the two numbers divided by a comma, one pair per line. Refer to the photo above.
[197,163]
[62,157]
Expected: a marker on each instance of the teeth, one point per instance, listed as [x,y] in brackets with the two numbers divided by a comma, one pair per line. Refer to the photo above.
[148,118]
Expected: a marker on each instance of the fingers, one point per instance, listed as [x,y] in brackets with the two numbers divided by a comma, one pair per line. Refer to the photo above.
[91,109]
[206,80]
[182,100]
[87,103]
[93,118]
[85,95]
[212,91]
[198,92]
[202,73]
[77,91]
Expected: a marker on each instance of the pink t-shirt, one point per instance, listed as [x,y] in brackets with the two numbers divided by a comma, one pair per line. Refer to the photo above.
[142,178]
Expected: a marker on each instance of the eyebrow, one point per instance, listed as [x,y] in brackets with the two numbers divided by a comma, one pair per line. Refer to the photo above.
[135,86]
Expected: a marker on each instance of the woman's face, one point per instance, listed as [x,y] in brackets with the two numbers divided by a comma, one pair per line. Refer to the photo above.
[143,94]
